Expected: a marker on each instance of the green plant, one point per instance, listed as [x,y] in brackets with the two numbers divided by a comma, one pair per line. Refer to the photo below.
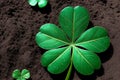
[23,75]
[69,45]
[41,3]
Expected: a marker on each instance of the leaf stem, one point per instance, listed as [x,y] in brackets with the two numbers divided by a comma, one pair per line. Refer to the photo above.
[69,72]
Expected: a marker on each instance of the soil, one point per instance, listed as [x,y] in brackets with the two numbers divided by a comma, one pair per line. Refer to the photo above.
[19,23]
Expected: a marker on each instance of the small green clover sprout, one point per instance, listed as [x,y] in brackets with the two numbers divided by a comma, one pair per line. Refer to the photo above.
[70,45]
[23,75]
[41,3]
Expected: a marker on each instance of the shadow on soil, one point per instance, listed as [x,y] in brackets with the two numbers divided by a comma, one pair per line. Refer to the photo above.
[105,56]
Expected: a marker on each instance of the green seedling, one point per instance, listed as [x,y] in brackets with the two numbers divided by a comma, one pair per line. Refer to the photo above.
[41,3]
[23,75]
[70,45]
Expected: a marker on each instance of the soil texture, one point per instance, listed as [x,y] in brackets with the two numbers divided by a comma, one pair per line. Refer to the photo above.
[19,23]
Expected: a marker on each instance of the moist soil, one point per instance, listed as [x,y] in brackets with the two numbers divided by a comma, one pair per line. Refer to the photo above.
[19,23]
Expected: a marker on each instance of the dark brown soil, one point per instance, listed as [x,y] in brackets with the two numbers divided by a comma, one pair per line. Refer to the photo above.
[19,22]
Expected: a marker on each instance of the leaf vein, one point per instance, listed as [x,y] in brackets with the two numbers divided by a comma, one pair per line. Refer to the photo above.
[56,39]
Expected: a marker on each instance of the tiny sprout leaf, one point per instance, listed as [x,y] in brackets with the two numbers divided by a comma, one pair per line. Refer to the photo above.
[21,78]
[41,3]
[32,2]
[64,43]
[16,74]
[25,73]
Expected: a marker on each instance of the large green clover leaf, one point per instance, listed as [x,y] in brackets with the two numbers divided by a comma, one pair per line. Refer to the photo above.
[74,21]
[69,45]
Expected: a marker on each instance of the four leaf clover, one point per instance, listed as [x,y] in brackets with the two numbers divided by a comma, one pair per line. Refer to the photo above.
[41,3]
[70,44]
[23,75]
